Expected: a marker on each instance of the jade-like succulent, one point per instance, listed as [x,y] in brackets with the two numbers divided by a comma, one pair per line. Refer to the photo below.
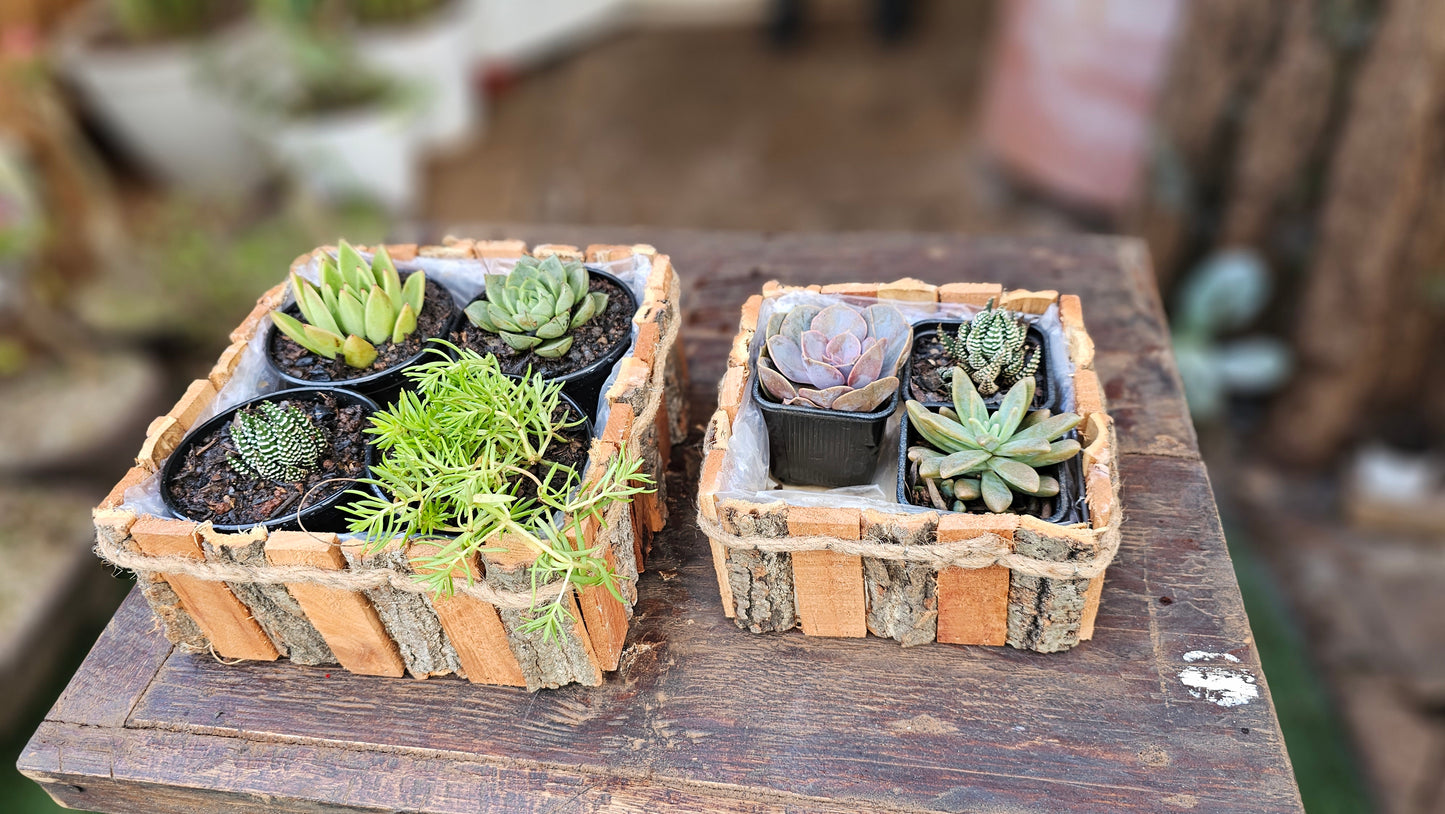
[538,305]
[281,444]
[991,348]
[837,358]
[355,308]
[972,453]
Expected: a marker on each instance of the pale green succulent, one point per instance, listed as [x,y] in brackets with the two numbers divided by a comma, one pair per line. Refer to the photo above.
[971,453]
[991,348]
[356,307]
[538,305]
[277,443]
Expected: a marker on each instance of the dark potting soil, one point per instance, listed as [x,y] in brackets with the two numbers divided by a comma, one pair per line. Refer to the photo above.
[207,488]
[437,310]
[929,359]
[591,342]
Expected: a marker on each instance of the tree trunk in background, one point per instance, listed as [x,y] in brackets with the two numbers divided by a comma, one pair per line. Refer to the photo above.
[1311,131]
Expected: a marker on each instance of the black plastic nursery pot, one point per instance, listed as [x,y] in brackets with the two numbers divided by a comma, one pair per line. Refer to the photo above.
[1046,395]
[1068,506]
[383,386]
[809,446]
[584,386]
[324,515]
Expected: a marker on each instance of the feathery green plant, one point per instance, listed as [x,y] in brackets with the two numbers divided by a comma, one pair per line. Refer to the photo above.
[277,443]
[538,305]
[991,348]
[971,453]
[355,308]
[455,457]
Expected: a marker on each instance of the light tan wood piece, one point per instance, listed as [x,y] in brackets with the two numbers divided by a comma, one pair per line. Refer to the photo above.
[348,623]
[828,586]
[973,602]
[970,293]
[473,626]
[1091,608]
[217,611]
[197,398]
[908,290]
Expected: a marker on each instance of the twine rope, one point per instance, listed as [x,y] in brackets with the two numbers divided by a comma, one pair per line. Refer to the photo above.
[369,579]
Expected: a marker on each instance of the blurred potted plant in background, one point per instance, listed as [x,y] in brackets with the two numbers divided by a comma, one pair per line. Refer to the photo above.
[1223,295]
[427,44]
[142,69]
[340,126]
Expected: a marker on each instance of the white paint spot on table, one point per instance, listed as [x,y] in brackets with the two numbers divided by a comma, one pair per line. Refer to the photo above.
[1224,686]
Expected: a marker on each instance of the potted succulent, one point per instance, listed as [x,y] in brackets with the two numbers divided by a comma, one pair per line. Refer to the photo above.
[142,68]
[557,318]
[428,45]
[361,325]
[995,348]
[966,458]
[827,383]
[284,461]
[474,453]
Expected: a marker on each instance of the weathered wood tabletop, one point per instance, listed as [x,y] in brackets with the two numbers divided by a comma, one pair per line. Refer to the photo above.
[703,717]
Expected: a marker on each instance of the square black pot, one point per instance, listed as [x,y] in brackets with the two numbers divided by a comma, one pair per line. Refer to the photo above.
[1068,506]
[809,446]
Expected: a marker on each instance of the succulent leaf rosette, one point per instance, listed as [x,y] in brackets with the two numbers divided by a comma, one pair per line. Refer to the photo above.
[992,349]
[355,308]
[277,443]
[835,358]
[971,453]
[538,305]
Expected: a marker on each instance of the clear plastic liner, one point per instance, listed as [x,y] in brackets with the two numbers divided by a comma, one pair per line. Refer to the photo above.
[746,466]
[464,278]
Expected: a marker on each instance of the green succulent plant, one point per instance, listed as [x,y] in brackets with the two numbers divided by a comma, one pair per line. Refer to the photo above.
[992,349]
[277,443]
[538,305]
[972,453]
[355,308]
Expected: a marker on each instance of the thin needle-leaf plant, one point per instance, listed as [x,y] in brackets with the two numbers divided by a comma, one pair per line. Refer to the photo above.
[463,460]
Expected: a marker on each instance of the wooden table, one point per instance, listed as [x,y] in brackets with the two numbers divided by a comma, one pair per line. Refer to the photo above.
[703,717]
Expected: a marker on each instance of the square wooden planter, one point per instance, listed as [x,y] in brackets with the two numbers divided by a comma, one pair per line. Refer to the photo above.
[380,630]
[1019,580]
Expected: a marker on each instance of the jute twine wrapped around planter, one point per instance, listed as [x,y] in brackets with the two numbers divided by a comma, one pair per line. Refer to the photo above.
[318,600]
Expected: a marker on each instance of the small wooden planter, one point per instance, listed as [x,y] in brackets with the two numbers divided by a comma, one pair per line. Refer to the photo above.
[383,631]
[993,601]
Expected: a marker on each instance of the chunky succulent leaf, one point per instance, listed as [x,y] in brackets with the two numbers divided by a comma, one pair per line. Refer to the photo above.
[943,433]
[948,412]
[1018,446]
[776,384]
[562,305]
[869,365]
[788,358]
[294,329]
[553,328]
[380,316]
[966,489]
[413,292]
[351,314]
[963,462]
[1034,417]
[357,352]
[1016,474]
[590,306]
[868,398]
[477,312]
[1015,404]
[330,274]
[822,374]
[843,350]
[405,323]
[390,278]
[520,341]
[982,434]
[995,492]
[554,348]
[1051,427]
[577,281]
[775,323]
[354,269]
[825,398]
[966,399]
[492,287]
[1058,452]
[814,345]
[798,320]
[837,319]
[502,319]
[888,323]
[1048,486]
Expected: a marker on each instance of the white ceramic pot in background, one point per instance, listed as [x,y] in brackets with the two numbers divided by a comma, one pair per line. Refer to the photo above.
[516,35]
[434,59]
[368,153]
[157,103]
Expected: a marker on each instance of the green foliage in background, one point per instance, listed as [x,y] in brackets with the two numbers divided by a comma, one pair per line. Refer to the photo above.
[465,458]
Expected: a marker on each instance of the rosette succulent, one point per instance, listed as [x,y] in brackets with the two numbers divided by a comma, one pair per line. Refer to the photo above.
[355,308]
[538,305]
[991,348]
[971,453]
[277,443]
[837,358]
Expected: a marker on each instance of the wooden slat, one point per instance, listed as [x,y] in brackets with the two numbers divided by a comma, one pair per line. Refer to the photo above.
[345,619]
[473,626]
[603,615]
[973,602]
[220,615]
[828,586]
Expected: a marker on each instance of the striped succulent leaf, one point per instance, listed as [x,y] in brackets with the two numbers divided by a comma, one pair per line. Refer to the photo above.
[992,348]
[277,443]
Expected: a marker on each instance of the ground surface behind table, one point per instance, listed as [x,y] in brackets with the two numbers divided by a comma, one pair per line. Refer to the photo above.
[705,717]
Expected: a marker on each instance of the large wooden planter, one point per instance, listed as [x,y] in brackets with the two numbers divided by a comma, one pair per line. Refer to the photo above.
[951,577]
[238,609]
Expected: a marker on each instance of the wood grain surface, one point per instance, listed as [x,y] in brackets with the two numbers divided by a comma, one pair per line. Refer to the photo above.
[704,717]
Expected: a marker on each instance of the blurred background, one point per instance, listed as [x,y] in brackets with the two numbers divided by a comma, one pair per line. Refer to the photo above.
[162,161]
